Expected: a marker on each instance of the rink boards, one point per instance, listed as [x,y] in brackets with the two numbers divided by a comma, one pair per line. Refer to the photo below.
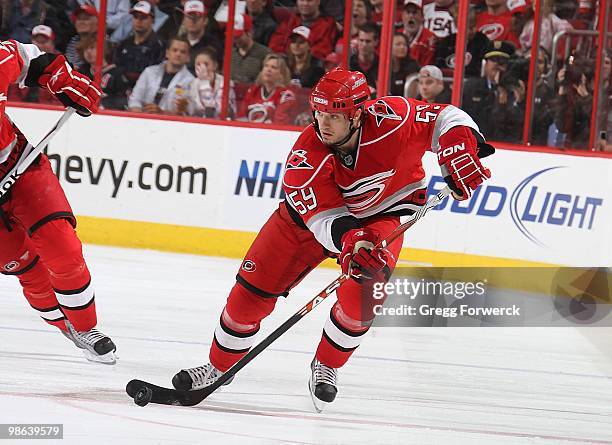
[207,189]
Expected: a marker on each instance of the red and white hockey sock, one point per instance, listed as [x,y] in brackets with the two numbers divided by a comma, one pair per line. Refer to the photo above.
[341,336]
[231,342]
[34,279]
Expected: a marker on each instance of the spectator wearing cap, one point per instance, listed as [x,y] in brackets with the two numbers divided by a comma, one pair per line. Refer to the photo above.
[114,83]
[323,29]
[86,24]
[306,70]
[402,65]
[438,18]
[247,55]
[495,100]
[366,59]
[477,44]
[431,86]
[163,88]
[270,100]
[142,48]
[198,32]
[44,38]
[264,24]
[116,10]
[521,13]
[496,22]
[421,40]
[206,91]
[18,18]
[125,27]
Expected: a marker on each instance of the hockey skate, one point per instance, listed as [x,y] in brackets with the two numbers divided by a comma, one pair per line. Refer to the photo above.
[197,378]
[322,384]
[96,346]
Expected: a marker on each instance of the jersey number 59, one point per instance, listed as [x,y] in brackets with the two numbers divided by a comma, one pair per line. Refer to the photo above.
[303,200]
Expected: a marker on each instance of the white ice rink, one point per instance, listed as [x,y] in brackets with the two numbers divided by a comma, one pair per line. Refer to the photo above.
[403,386]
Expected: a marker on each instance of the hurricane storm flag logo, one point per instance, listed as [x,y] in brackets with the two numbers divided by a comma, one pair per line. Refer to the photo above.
[381,111]
[298,160]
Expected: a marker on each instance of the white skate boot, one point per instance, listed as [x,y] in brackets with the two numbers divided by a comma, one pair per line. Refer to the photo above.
[96,346]
[197,378]
[322,384]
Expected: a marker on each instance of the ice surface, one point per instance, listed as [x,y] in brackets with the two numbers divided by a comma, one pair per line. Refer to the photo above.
[403,386]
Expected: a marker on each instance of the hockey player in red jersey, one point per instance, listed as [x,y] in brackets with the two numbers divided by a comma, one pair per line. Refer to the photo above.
[38,243]
[348,179]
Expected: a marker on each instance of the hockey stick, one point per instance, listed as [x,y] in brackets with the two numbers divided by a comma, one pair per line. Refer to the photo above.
[28,156]
[144,392]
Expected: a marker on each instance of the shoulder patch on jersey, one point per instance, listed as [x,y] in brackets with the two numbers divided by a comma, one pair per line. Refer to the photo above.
[297,159]
[305,161]
[381,110]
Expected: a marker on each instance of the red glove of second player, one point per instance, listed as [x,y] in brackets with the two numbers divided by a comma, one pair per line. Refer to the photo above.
[72,88]
[459,162]
[360,259]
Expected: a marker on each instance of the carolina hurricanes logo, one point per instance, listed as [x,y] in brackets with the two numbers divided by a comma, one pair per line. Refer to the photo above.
[258,113]
[11,266]
[381,111]
[249,266]
[450,60]
[492,30]
[364,193]
[297,159]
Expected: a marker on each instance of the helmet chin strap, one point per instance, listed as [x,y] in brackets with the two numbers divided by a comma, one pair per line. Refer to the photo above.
[337,145]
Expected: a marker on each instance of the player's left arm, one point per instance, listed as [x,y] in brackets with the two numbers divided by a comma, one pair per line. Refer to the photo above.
[459,145]
[52,71]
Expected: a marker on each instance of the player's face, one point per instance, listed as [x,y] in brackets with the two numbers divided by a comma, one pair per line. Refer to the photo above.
[333,126]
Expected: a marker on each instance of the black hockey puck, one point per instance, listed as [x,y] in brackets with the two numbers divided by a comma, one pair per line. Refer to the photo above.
[143,396]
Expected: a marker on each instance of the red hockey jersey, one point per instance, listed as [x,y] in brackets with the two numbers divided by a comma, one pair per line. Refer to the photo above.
[14,62]
[380,177]
[277,107]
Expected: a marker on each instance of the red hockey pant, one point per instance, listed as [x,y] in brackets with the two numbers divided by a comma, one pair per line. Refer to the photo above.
[39,246]
[280,257]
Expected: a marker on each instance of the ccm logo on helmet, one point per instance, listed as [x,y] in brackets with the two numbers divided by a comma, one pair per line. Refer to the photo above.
[320,100]
[359,82]
[450,150]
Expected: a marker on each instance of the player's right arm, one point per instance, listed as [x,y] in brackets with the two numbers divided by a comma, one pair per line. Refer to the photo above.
[25,64]
[312,194]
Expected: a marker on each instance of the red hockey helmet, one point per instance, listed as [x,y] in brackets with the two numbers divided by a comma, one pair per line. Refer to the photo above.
[340,91]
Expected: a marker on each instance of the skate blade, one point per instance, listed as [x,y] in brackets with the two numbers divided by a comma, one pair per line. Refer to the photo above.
[318,404]
[110,358]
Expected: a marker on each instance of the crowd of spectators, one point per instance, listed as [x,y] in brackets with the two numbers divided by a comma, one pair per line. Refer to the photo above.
[166,57]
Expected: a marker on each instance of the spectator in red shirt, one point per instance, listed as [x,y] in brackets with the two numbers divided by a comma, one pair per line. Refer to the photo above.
[322,29]
[366,59]
[496,22]
[362,14]
[422,41]
[270,100]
